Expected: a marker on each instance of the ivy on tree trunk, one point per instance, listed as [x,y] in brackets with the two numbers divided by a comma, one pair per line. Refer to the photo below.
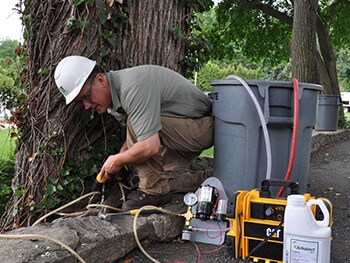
[53,136]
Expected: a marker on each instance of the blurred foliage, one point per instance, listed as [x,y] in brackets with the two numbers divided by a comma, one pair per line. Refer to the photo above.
[219,70]
[11,70]
[343,68]
[7,169]
[7,49]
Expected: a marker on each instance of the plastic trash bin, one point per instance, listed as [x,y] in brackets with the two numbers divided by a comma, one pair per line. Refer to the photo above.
[240,159]
[327,113]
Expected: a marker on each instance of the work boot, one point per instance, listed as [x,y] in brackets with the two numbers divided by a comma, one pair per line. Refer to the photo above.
[139,199]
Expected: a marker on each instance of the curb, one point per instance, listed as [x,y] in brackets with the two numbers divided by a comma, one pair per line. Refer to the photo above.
[324,138]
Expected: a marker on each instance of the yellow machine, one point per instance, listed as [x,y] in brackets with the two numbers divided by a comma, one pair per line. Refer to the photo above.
[256,222]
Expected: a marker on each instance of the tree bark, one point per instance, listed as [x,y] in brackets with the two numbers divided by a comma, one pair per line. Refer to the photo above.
[327,61]
[304,63]
[143,32]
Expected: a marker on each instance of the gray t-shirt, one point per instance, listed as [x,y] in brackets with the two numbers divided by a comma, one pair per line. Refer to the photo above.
[145,93]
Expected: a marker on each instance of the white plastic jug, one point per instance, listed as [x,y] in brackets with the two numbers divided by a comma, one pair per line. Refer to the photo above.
[305,239]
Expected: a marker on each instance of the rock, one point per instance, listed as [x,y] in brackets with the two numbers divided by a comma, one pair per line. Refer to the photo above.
[94,239]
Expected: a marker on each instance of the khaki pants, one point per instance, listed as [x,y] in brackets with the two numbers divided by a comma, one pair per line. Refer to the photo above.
[182,140]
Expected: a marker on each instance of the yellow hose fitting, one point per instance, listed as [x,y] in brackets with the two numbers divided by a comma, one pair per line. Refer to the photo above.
[100,179]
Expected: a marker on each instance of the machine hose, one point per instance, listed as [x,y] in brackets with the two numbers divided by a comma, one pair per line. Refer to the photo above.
[294,135]
[263,124]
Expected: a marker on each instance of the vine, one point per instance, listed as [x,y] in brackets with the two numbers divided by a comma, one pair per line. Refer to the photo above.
[47,142]
[73,175]
[112,16]
[197,48]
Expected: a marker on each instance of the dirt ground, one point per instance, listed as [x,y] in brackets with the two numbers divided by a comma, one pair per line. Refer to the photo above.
[329,177]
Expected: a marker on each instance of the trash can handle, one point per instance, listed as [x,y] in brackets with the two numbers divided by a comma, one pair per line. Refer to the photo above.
[265,186]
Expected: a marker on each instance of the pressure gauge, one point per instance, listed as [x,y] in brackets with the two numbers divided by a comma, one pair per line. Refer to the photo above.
[190,199]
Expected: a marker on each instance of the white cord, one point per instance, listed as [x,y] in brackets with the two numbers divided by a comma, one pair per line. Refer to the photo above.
[148,207]
[33,236]
[62,207]
[263,124]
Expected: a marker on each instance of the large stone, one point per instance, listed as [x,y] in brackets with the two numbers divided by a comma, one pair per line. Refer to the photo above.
[94,239]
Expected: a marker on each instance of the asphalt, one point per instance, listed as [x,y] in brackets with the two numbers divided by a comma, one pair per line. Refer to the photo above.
[328,177]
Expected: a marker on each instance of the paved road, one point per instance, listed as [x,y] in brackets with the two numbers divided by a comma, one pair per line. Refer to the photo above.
[329,177]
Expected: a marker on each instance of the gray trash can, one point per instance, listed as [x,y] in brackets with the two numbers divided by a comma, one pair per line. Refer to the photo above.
[240,159]
[327,113]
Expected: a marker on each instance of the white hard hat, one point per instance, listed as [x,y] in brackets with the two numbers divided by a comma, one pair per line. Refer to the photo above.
[71,74]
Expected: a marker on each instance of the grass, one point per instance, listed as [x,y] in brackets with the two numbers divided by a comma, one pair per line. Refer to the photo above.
[7,148]
[347,115]
[7,145]
[208,152]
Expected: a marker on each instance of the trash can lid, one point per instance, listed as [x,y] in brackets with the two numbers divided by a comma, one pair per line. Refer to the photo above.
[231,80]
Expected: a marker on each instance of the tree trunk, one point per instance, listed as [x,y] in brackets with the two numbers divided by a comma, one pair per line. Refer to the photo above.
[304,63]
[52,134]
[327,60]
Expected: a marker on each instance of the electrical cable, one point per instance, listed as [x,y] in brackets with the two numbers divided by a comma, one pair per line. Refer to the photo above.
[64,206]
[33,236]
[121,187]
[88,207]
[148,207]
[198,252]
[104,206]
[263,124]
[294,134]
[220,241]
[79,213]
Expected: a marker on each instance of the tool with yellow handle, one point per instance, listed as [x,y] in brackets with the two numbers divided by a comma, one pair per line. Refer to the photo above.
[99,181]
[98,184]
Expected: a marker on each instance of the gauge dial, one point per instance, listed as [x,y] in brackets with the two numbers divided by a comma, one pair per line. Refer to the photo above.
[190,199]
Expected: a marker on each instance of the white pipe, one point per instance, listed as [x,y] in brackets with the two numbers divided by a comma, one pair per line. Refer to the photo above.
[263,124]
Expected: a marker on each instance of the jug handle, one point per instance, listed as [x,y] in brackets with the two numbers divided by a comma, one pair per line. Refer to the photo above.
[321,204]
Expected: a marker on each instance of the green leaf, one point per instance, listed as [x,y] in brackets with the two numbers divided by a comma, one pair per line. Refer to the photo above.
[65,182]
[78,2]
[19,192]
[64,172]
[59,187]
[43,71]
[50,189]
[70,187]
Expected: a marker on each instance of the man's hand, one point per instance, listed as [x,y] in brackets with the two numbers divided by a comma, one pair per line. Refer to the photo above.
[137,153]
[110,167]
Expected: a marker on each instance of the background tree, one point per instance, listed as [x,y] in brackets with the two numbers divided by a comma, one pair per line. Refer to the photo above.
[343,69]
[58,145]
[7,47]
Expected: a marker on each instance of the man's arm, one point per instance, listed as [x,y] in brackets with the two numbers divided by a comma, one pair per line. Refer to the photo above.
[137,153]
[124,147]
